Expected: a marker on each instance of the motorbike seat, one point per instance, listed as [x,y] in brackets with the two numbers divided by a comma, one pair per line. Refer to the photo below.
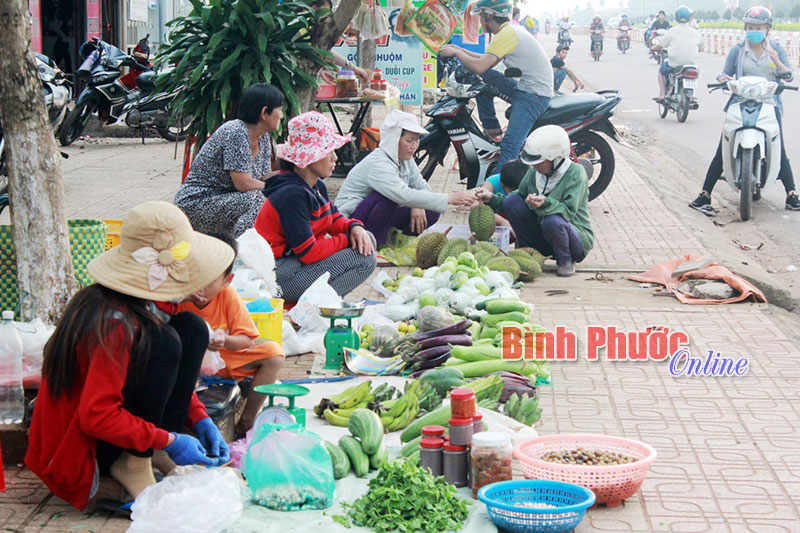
[146,82]
[565,107]
[684,69]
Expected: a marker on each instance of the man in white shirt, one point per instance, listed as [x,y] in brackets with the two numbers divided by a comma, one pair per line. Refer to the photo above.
[683,43]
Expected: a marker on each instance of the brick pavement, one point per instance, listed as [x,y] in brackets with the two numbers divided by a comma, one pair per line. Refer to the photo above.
[727,447]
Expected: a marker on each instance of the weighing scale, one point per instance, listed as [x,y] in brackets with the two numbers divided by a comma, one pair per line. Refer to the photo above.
[281,414]
[339,336]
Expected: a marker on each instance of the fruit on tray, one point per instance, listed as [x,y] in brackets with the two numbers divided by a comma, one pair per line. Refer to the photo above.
[581,456]
[482,222]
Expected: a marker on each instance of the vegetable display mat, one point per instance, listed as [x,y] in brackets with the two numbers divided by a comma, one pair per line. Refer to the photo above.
[259,519]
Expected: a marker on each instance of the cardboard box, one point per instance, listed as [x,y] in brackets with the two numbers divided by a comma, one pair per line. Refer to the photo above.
[501,237]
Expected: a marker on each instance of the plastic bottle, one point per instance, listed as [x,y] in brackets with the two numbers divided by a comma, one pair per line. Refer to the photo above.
[491,459]
[12,397]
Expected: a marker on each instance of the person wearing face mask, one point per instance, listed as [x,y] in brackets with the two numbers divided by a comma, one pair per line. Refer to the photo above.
[760,56]
[550,209]
[386,190]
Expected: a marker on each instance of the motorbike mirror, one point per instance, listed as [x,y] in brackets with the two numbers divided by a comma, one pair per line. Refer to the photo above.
[513,72]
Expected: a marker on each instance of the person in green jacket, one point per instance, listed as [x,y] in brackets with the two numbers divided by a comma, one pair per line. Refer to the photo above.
[550,209]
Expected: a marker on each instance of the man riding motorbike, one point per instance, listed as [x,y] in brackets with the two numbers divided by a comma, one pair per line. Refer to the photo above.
[596,25]
[623,26]
[757,55]
[661,23]
[683,43]
[517,48]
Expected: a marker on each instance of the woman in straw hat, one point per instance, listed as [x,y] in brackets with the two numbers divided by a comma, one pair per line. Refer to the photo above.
[386,189]
[308,235]
[118,383]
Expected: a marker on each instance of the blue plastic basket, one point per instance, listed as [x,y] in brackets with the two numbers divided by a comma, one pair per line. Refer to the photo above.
[503,501]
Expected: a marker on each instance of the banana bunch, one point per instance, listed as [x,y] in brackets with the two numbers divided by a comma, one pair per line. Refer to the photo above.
[523,409]
[486,388]
[400,412]
[428,398]
[337,409]
[384,392]
[490,404]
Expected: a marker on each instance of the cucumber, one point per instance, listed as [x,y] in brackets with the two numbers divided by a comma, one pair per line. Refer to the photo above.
[437,417]
[358,458]
[477,352]
[367,427]
[490,321]
[341,464]
[481,368]
[379,458]
[497,306]
[410,447]
[489,333]
[442,379]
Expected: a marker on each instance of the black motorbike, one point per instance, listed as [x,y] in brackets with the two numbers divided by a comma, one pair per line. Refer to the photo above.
[582,116]
[57,91]
[680,92]
[140,107]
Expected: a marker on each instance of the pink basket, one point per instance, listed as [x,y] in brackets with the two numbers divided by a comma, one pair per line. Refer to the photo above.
[611,484]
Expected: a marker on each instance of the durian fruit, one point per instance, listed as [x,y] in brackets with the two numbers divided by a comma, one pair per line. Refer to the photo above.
[485,247]
[452,248]
[482,257]
[429,246]
[529,268]
[482,222]
[504,264]
[533,252]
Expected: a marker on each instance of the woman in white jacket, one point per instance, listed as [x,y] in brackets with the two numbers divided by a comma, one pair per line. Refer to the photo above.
[386,189]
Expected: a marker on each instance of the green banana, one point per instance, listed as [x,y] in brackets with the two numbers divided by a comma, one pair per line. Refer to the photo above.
[347,412]
[336,420]
[356,398]
[529,405]
[345,393]
[511,404]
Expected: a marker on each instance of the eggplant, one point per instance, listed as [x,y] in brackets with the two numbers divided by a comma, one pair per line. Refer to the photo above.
[428,353]
[462,340]
[514,382]
[453,329]
[432,361]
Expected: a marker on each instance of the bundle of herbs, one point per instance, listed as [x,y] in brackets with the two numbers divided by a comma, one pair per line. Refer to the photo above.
[405,497]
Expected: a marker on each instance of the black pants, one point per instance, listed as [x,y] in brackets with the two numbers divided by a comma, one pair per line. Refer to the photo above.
[714,172]
[158,387]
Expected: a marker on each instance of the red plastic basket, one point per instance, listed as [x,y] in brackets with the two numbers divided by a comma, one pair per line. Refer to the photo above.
[611,484]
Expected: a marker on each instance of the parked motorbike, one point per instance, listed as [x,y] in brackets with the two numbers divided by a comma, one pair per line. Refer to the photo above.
[597,44]
[680,92]
[57,91]
[451,122]
[624,40]
[751,137]
[115,103]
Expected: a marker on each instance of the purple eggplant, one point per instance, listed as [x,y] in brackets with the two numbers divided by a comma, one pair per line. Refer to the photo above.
[462,340]
[428,353]
[432,362]
[453,329]
[514,382]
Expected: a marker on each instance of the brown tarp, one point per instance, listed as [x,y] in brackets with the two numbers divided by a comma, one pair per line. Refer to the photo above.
[661,274]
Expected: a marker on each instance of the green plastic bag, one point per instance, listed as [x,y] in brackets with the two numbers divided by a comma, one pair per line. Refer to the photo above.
[400,249]
[289,469]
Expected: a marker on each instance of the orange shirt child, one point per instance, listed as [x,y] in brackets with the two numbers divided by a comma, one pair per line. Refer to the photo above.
[228,312]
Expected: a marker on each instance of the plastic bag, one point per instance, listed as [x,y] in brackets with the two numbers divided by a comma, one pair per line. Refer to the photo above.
[308,342]
[402,17]
[433,23]
[289,469]
[212,363]
[306,313]
[207,500]
[400,249]
[255,255]
[371,21]
[34,336]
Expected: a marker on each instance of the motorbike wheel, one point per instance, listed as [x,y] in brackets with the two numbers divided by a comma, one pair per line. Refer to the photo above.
[73,125]
[173,133]
[746,185]
[662,109]
[683,108]
[592,149]
[430,153]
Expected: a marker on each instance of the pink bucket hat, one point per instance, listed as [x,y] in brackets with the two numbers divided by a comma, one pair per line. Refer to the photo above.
[311,137]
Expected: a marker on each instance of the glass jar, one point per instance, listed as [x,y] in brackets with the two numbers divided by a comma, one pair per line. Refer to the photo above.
[490,458]
[455,465]
[346,84]
[430,454]
[462,403]
[461,431]
[477,423]
[433,431]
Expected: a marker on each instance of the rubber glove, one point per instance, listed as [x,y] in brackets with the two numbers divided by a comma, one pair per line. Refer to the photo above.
[212,439]
[187,450]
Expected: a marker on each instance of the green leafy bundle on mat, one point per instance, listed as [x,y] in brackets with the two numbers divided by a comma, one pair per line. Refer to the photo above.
[405,497]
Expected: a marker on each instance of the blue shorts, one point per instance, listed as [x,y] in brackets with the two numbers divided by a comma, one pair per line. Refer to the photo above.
[665,69]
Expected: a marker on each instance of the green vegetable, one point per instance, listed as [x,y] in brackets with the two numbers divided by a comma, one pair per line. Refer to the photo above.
[358,458]
[341,464]
[483,288]
[489,333]
[439,417]
[513,316]
[426,300]
[405,497]
[497,306]
[459,280]
[467,259]
[367,427]
[476,352]
[379,458]
[342,520]
[442,379]
[481,368]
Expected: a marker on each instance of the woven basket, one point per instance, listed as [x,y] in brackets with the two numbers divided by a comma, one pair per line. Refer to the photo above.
[87,240]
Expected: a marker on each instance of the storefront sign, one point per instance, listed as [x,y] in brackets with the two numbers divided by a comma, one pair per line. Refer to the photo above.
[138,10]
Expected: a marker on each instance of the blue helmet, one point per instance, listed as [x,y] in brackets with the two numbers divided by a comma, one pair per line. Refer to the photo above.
[683,14]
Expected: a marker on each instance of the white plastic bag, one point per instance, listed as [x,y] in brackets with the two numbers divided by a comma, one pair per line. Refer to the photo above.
[255,253]
[202,502]
[212,363]
[320,294]
[308,342]
[34,336]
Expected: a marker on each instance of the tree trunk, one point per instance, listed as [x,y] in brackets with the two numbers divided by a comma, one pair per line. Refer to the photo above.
[367,62]
[324,35]
[36,191]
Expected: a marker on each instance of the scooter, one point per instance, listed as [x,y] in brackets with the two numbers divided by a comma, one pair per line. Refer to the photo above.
[597,44]
[564,37]
[624,40]
[115,103]
[659,55]
[680,93]
[751,137]
[584,116]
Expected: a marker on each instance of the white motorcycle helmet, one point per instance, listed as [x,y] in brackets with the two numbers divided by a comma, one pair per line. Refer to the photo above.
[548,143]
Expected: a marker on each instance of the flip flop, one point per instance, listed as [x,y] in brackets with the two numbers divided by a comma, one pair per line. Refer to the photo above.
[658,100]
[116,507]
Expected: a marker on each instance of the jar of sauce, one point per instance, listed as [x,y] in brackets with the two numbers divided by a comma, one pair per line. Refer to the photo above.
[346,84]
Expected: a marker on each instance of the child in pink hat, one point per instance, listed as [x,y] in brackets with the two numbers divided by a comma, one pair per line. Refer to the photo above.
[308,235]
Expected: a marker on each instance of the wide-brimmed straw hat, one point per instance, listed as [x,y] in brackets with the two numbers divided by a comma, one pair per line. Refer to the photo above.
[160,257]
[311,137]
